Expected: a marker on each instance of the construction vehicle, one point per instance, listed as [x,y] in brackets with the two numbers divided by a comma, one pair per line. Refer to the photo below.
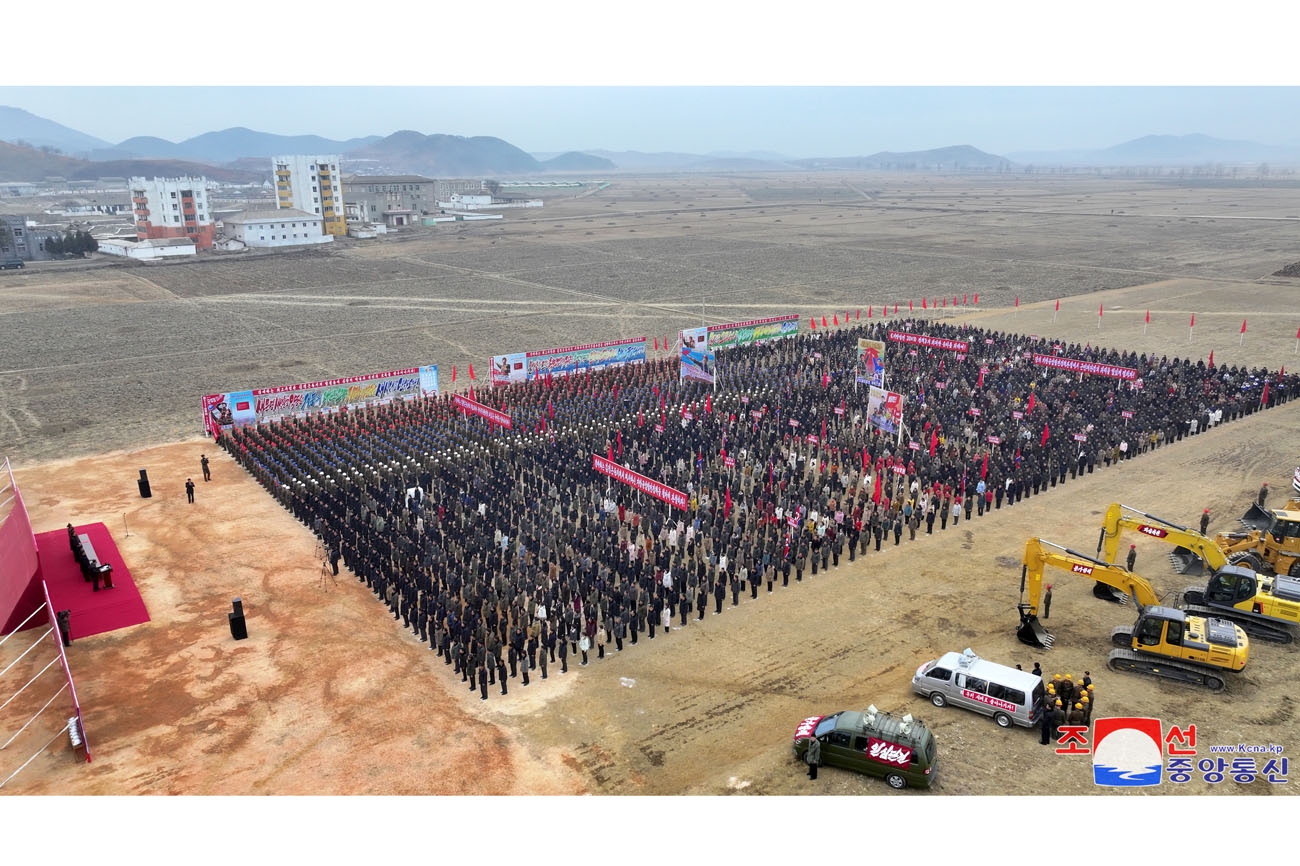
[1164,642]
[1271,541]
[1268,608]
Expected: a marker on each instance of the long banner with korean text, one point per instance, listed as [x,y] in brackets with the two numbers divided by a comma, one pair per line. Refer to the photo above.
[649,486]
[756,331]
[1078,365]
[239,408]
[473,407]
[931,342]
[526,366]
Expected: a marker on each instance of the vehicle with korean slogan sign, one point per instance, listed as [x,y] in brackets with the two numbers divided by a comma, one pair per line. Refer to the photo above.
[1010,696]
[898,749]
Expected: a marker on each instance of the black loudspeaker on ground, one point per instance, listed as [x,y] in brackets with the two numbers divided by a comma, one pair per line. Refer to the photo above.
[143,484]
[238,628]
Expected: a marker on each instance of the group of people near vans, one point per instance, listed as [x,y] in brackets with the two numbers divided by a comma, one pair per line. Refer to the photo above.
[514,551]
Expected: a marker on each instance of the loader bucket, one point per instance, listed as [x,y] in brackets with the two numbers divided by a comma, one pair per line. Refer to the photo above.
[1109,593]
[1185,561]
[1257,518]
[1031,632]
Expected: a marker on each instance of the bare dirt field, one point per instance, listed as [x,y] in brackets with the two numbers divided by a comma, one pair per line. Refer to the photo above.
[330,696]
[116,356]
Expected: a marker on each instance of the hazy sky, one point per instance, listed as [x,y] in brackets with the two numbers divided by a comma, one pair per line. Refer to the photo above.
[793,121]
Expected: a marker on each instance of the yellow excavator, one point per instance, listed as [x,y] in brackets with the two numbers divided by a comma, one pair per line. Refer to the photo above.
[1268,608]
[1164,642]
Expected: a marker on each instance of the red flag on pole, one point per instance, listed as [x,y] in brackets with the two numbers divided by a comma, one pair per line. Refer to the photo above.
[1043,441]
[857,316]
[471,371]
[934,441]
[1243,326]
[611,453]
[453,372]
[640,418]
[909,306]
[1031,401]
[620,443]
[868,311]
[984,470]
[1017,300]
[923,306]
[1211,359]
[708,403]
[1193,324]
[963,299]
[875,494]
[656,344]
[812,321]
[1263,398]
[824,325]
[835,319]
[977,297]
[981,382]
[1058,305]
[1100,308]
[726,512]
[1148,317]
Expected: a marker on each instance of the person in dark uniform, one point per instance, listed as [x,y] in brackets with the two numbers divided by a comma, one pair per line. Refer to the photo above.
[207,473]
[189,489]
[501,674]
[719,593]
[1048,725]
[541,661]
[1205,520]
[701,601]
[334,559]
[564,656]
[1132,556]
[64,619]
[482,682]
[1047,602]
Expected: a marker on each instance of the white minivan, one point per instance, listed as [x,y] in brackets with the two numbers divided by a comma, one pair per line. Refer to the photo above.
[1010,696]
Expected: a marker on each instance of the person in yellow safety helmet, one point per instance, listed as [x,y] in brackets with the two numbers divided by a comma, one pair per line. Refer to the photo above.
[1087,709]
[1092,698]
[1066,689]
[1076,714]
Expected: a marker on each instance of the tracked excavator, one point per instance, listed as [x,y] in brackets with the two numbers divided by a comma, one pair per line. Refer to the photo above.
[1164,642]
[1268,608]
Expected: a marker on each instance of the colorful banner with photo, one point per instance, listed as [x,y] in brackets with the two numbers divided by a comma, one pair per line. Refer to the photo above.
[698,361]
[756,331]
[527,366]
[885,409]
[871,363]
[239,408]
[473,407]
[429,381]
[1078,365]
[649,486]
[509,369]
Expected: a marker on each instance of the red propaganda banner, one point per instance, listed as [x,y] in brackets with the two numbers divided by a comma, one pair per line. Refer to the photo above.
[808,725]
[1153,531]
[900,470]
[961,356]
[659,428]
[794,422]
[744,399]
[995,440]
[839,410]
[1017,414]
[756,415]
[941,384]
[985,699]
[1126,413]
[974,411]
[812,440]
[1079,568]
[1028,354]
[915,446]
[473,407]
[988,342]
[888,753]
[1078,365]
[931,342]
[817,355]
[688,416]
[1080,437]
[730,461]
[649,486]
[912,353]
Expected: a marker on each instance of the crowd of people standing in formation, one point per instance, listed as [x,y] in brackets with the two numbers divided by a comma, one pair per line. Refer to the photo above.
[508,553]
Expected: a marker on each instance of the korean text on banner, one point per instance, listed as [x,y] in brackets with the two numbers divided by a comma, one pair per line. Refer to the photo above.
[885,410]
[473,407]
[1078,365]
[649,486]
[931,342]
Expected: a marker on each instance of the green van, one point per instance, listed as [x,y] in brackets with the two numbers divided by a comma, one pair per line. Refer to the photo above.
[898,749]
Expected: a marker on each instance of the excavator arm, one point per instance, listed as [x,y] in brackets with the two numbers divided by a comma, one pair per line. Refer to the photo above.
[1041,554]
[1191,548]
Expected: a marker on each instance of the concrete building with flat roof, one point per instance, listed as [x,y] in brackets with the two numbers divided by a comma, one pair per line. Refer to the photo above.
[276,227]
[312,184]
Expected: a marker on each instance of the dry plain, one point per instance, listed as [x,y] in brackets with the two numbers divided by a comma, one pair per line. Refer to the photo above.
[329,696]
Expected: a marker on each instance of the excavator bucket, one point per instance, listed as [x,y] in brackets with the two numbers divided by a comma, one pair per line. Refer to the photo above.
[1257,518]
[1185,561]
[1031,632]
[1109,593]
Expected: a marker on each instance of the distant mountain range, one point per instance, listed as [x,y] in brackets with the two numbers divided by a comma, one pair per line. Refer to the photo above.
[244,152]
[19,163]
[1165,150]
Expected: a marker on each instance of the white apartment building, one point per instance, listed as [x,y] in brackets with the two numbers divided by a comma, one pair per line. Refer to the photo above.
[313,184]
[172,207]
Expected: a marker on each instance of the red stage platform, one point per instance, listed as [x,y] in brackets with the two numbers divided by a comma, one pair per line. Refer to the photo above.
[92,612]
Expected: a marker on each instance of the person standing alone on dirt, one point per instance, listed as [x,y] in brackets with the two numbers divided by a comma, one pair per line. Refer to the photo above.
[1205,520]
[189,489]
[207,473]
[1263,494]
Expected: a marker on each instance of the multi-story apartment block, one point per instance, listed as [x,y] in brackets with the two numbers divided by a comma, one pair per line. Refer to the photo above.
[312,184]
[173,208]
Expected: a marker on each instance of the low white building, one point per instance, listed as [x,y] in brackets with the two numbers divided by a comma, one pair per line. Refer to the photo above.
[466,202]
[148,250]
[276,227]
